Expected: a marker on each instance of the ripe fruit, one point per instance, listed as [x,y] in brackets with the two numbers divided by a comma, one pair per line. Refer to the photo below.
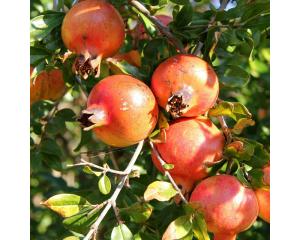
[48,85]
[228,207]
[191,144]
[185,85]
[263,199]
[121,110]
[93,29]
[263,196]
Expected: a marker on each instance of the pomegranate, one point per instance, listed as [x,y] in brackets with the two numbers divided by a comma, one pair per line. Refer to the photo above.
[185,85]
[121,110]
[48,85]
[191,145]
[263,196]
[228,207]
[93,29]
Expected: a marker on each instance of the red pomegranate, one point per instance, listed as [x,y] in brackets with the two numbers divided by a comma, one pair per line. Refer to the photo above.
[228,207]
[48,85]
[263,196]
[185,85]
[93,29]
[191,144]
[121,110]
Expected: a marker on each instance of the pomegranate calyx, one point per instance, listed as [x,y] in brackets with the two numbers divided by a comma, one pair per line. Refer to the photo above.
[178,102]
[86,65]
[90,119]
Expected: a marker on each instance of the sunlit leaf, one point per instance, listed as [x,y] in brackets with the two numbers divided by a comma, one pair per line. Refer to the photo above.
[121,232]
[104,185]
[178,229]
[159,190]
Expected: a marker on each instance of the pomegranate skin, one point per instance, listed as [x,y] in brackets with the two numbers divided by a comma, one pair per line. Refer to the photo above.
[189,77]
[122,109]
[94,27]
[263,199]
[228,207]
[48,85]
[191,143]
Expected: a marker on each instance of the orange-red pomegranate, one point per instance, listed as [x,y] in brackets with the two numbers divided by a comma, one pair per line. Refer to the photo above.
[263,196]
[191,145]
[93,29]
[121,110]
[185,85]
[228,206]
[48,85]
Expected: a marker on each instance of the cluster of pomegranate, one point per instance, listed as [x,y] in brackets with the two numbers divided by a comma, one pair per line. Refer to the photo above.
[122,111]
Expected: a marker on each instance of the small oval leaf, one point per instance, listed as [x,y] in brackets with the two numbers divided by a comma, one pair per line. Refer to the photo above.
[104,185]
[159,190]
[121,232]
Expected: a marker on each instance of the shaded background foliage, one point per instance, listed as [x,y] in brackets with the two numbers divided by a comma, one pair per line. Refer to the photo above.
[241,58]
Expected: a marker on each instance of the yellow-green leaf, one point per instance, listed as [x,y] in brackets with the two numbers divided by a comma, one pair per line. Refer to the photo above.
[66,205]
[241,124]
[178,229]
[159,190]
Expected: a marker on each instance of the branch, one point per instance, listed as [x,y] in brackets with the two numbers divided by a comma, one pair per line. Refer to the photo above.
[105,169]
[160,26]
[113,198]
[167,174]
[225,129]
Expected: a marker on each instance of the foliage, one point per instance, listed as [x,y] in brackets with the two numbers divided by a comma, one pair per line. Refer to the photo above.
[235,42]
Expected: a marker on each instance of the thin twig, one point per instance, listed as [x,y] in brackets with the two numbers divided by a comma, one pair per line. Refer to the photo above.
[83,92]
[116,211]
[113,159]
[55,4]
[225,129]
[85,163]
[167,174]
[160,26]
[117,191]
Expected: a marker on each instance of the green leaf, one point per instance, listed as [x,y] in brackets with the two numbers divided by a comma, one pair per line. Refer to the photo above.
[178,229]
[138,212]
[184,16]
[256,176]
[121,232]
[232,76]
[199,227]
[66,205]
[159,190]
[104,185]
[66,114]
[71,238]
[37,55]
[241,124]
[49,146]
[168,166]
[234,110]
[181,2]
[88,170]
[137,236]
[43,24]
[241,177]
[127,68]
[82,221]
